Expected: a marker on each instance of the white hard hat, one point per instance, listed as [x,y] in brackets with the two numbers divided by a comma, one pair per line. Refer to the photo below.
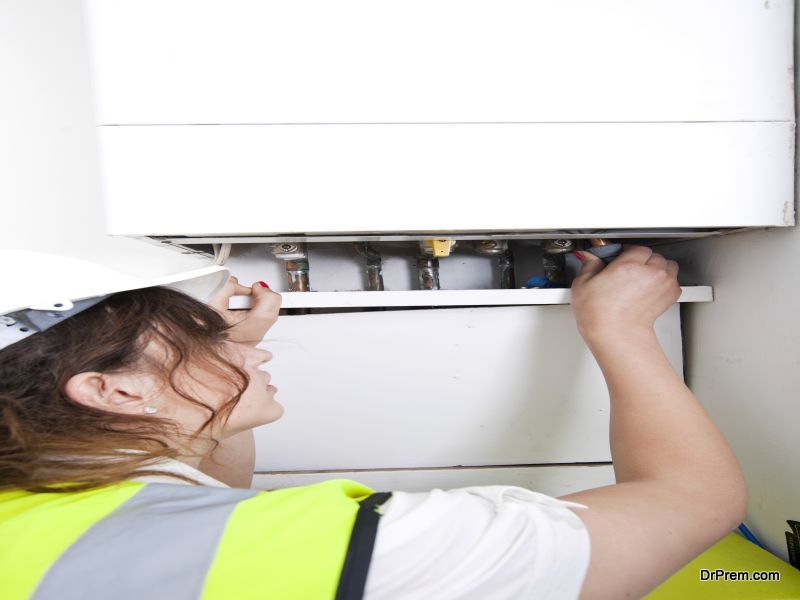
[41,289]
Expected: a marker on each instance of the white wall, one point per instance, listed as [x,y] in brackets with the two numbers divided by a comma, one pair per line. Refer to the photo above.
[49,176]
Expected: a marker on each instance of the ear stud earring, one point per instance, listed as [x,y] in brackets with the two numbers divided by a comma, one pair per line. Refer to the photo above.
[150,410]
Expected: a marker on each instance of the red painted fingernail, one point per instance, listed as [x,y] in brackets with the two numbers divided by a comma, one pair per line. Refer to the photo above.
[262,284]
[579,255]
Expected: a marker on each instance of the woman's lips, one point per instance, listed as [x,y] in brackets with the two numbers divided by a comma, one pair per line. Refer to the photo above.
[272,388]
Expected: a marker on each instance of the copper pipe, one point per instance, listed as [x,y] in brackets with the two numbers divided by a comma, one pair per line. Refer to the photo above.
[428,270]
[374,266]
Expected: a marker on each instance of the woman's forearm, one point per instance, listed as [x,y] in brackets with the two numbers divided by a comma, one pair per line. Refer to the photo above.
[658,428]
[233,461]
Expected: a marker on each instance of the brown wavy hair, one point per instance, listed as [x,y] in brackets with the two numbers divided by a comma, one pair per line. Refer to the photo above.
[50,443]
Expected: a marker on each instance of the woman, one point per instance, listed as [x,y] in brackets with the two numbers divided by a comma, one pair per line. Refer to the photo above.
[116,448]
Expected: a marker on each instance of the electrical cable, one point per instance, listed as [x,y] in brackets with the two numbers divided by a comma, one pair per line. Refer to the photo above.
[747,534]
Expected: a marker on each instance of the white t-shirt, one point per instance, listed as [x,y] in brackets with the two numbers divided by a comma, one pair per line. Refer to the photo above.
[492,542]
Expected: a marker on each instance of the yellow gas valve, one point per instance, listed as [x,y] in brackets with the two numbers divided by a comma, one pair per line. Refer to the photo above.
[438,248]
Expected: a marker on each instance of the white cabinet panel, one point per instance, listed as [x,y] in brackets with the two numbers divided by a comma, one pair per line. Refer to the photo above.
[357,61]
[552,480]
[206,180]
[432,388]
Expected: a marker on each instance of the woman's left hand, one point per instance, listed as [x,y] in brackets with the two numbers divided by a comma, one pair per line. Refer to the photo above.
[249,326]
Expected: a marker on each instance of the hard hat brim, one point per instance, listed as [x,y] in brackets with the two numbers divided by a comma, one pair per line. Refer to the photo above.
[42,281]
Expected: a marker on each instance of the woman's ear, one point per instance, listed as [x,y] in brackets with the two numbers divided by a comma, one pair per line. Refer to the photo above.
[109,392]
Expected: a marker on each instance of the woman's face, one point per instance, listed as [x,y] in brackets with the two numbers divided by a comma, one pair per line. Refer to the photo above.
[256,406]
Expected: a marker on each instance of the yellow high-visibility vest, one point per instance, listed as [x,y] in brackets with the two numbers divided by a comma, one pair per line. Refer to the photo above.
[136,540]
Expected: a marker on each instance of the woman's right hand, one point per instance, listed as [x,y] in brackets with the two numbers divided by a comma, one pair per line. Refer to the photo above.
[626,296]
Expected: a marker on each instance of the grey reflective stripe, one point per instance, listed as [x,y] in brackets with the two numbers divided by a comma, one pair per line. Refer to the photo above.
[158,544]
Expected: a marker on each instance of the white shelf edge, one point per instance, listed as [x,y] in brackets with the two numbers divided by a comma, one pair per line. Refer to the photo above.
[409,298]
